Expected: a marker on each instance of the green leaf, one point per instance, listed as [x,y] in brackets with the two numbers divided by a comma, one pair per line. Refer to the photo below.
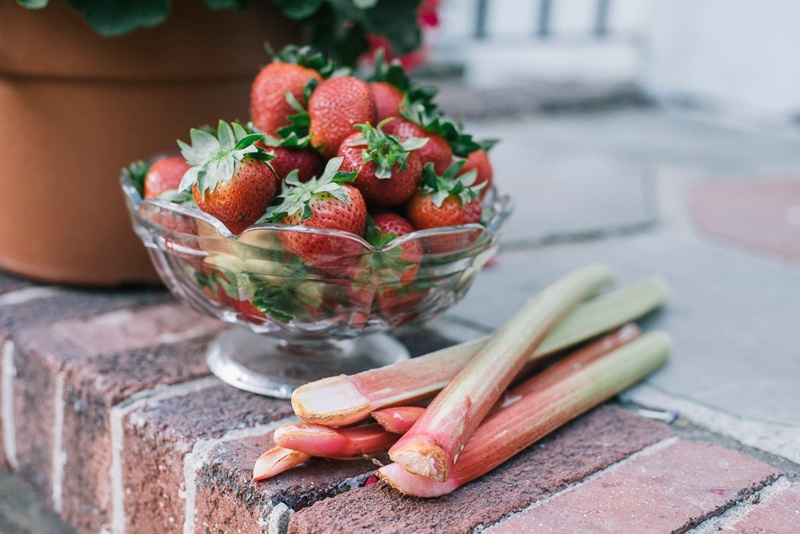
[33,4]
[190,177]
[397,21]
[119,17]
[239,5]
[136,173]
[225,135]
[299,9]
[248,141]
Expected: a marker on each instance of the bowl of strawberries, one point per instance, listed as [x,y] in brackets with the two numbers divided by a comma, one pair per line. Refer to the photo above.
[347,208]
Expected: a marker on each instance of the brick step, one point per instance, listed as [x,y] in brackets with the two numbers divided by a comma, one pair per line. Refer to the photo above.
[107,410]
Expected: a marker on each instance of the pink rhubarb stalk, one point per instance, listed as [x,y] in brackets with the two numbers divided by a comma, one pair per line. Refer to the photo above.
[434,443]
[277,460]
[535,415]
[340,443]
[398,420]
[344,400]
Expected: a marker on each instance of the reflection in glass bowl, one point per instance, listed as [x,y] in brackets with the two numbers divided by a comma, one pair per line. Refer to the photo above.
[308,317]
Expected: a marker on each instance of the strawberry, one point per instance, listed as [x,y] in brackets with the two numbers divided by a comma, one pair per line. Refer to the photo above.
[328,202]
[404,259]
[164,175]
[388,99]
[437,150]
[230,176]
[306,161]
[388,171]
[479,162]
[448,200]
[335,107]
[291,72]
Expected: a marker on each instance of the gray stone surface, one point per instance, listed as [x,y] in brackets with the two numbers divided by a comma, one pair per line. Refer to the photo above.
[621,200]
[732,314]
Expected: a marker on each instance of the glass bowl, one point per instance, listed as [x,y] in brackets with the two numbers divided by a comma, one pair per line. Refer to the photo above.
[308,317]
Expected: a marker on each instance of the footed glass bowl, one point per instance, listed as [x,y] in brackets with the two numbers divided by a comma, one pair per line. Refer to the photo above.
[308,316]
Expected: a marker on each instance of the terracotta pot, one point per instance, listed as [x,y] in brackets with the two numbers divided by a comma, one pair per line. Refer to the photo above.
[76,107]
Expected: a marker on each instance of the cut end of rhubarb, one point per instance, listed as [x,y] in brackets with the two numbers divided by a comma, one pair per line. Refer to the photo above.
[414,485]
[312,402]
[275,461]
[422,456]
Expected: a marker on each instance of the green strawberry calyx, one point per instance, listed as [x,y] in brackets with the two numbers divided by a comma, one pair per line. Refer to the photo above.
[385,268]
[450,183]
[393,73]
[383,149]
[296,196]
[300,121]
[136,173]
[214,158]
[308,57]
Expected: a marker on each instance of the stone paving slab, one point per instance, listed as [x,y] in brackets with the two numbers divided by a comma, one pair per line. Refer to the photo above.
[729,314]
[765,216]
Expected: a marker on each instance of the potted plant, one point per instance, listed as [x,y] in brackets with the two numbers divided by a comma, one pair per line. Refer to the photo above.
[78,101]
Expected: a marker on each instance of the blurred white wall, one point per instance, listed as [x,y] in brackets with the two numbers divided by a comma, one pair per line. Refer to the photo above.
[736,56]
[523,43]
[740,56]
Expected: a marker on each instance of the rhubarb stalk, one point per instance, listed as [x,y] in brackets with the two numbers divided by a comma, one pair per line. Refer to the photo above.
[535,415]
[400,419]
[277,460]
[434,443]
[339,443]
[344,400]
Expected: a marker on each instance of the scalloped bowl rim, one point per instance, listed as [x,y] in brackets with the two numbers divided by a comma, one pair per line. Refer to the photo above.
[504,203]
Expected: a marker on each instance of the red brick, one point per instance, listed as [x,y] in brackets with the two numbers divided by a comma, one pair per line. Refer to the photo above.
[157,438]
[95,378]
[780,514]
[757,214]
[671,490]
[590,443]
[229,501]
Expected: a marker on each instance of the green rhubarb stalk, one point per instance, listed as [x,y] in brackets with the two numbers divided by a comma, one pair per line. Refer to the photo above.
[339,443]
[400,419]
[535,415]
[346,399]
[432,446]
[276,461]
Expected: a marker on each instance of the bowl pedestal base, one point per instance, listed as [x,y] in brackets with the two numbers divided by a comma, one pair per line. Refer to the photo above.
[275,367]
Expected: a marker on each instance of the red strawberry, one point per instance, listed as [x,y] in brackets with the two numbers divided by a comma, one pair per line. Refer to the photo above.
[385,228]
[388,99]
[449,200]
[437,150]
[335,107]
[479,161]
[164,175]
[388,171]
[328,202]
[306,161]
[269,106]
[230,177]
[401,306]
